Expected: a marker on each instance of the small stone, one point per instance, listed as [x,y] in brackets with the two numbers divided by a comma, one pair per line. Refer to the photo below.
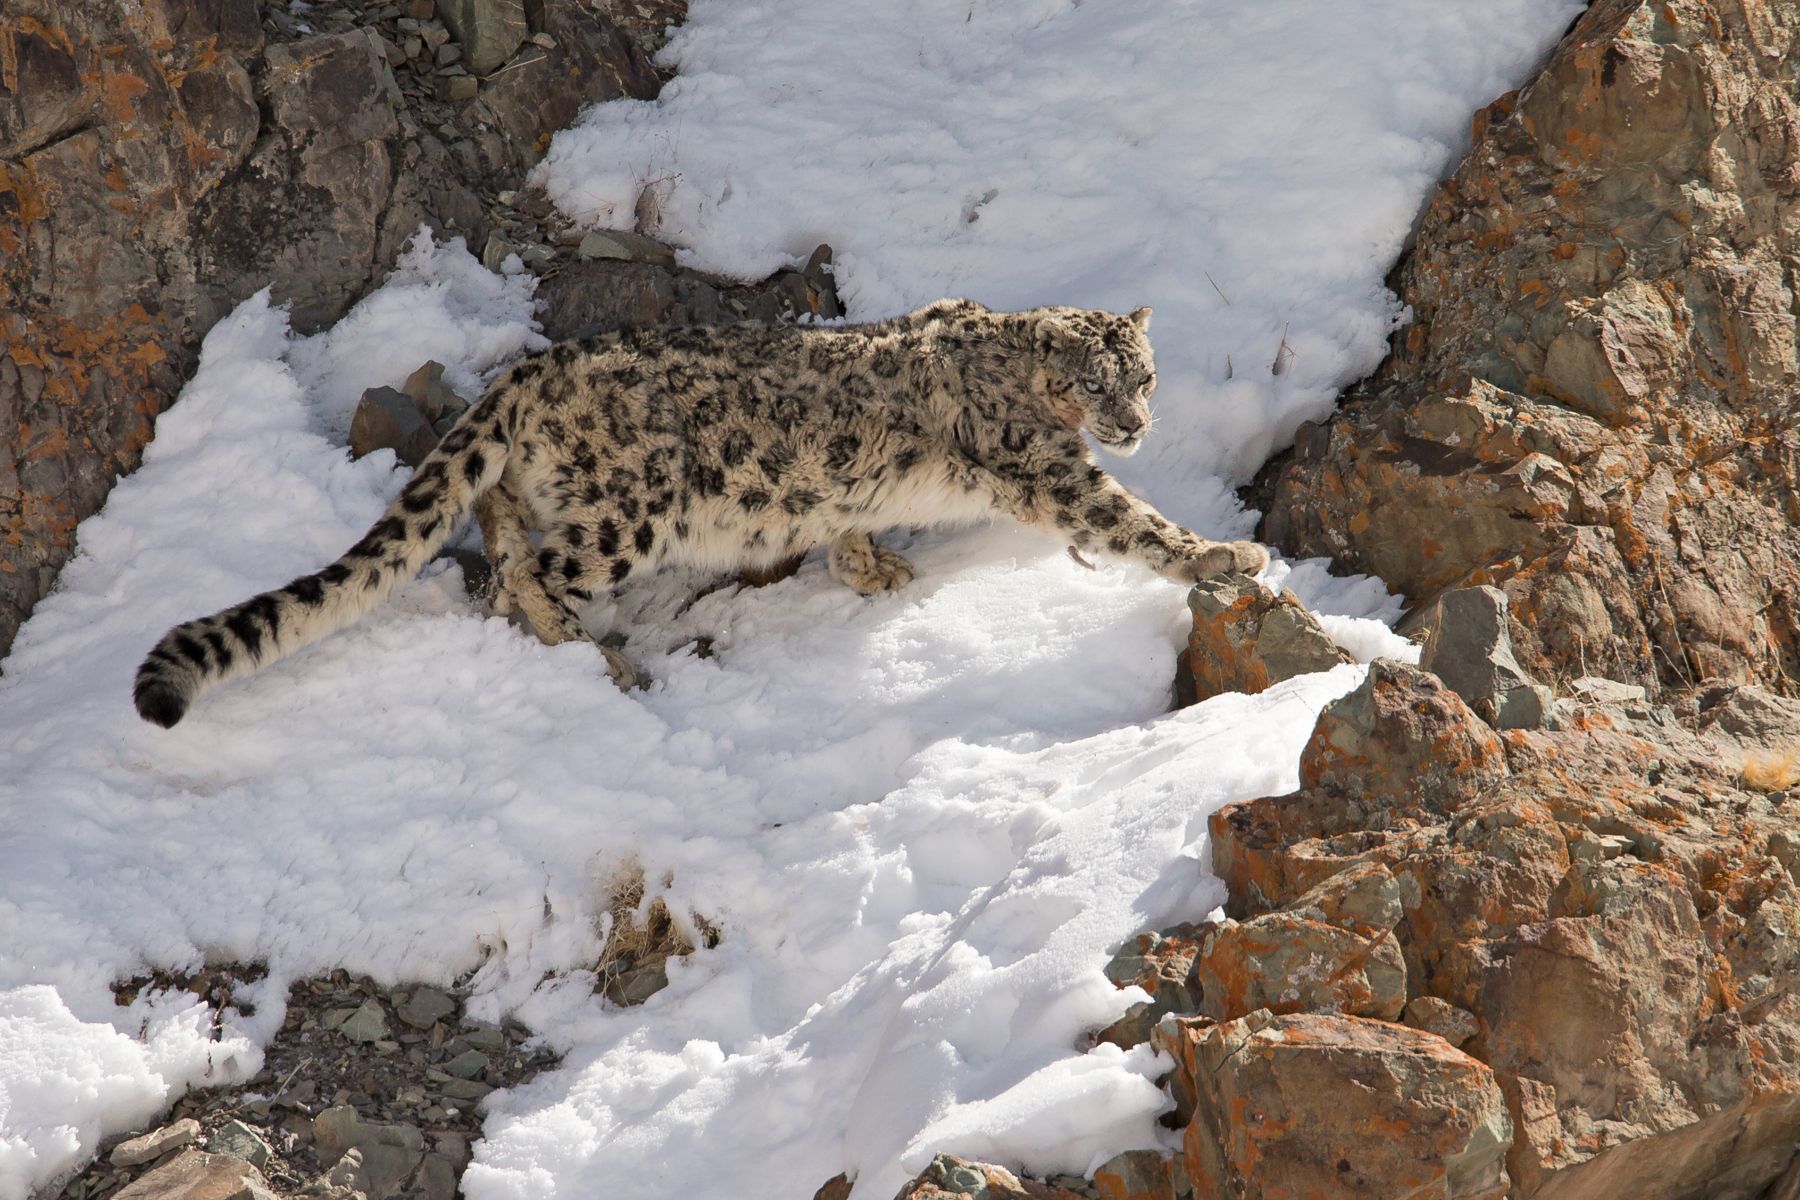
[537,257]
[489,30]
[486,1038]
[467,1065]
[420,10]
[464,1089]
[154,1144]
[239,1140]
[1455,1025]
[457,89]
[386,419]
[633,987]
[412,47]
[449,53]
[1594,690]
[494,254]
[368,1023]
[544,40]
[451,1146]
[621,244]
[424,1006]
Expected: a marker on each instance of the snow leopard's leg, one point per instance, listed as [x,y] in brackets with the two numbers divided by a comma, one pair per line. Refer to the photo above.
[506,540]
[1094,512]
[575,562]
[857,562]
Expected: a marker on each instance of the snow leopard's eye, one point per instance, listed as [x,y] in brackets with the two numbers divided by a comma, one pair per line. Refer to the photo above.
[1092,387]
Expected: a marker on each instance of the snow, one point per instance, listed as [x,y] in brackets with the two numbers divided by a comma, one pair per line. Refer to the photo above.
[922,822]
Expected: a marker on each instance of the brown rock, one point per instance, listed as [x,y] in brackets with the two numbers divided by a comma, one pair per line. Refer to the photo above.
[1592,409]
[1137,1175]
[1605,922]
[1162,963]
[197,1176]
[1403,737]
[155,1144]
[1246,639]
[1289,964]
[1320,1105]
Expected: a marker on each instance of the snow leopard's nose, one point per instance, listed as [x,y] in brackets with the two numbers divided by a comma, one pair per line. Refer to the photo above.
[1129,422]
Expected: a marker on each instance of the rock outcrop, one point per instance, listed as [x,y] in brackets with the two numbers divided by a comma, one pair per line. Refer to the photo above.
[1246,639]
[1594,407]
[1600,914]
[160,161]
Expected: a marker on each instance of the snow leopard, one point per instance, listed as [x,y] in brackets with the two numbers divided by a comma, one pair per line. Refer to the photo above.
[735,447]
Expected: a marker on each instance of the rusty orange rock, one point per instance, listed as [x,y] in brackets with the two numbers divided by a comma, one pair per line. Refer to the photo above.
[1325,1105]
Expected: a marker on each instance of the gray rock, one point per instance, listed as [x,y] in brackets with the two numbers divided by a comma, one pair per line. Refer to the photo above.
[154,1144]
[467,1065]
[425,1006]
[385,1155]
[239,1140]
[436,1179]
[493,255]
[197,1176]
[1245,638]
[631,247]
[367,1024]
[1752,717]
[489,30]
[387,419]
[633,987]
[486,1038]
[464,1089]
[1592,689]
[1469,647]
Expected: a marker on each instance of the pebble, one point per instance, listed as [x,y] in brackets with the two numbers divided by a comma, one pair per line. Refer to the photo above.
[367,1024]
[155,1144]
[486,1038]
[467,1065]
[240,1141]
[425,1006]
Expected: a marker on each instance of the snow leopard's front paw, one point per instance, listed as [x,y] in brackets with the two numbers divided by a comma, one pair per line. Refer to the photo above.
[1221,558]
[869,568]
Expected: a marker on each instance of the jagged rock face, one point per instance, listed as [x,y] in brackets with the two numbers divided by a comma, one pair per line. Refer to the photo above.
[1602,914]
[162,160]
[1594,408]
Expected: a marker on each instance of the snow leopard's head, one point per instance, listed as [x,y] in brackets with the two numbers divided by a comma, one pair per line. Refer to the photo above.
[1097,372]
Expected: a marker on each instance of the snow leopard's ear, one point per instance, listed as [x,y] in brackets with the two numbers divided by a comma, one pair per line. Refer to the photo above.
[1050,333]
[1141,317]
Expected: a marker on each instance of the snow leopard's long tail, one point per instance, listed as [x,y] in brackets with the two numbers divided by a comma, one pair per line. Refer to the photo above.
[198,654]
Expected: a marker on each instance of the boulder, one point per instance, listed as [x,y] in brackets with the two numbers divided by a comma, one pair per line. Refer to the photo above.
[1246,639]
[1591,409]
[1468,646]
[488,30]
[1323,1105]
[1162,963]
[1604,920]
[1287,964]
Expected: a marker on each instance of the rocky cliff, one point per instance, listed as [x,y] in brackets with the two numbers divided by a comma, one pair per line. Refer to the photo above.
[1593,407]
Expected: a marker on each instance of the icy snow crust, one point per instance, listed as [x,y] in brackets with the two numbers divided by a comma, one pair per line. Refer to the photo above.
[922,821]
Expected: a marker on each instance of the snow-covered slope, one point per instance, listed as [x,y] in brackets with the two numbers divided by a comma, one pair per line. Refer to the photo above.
[922,821]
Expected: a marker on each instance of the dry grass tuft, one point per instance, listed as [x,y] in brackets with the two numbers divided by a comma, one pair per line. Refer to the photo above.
[1773,770]
[641,940]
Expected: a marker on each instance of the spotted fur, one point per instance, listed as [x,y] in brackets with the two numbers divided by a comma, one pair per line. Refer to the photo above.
[736,447]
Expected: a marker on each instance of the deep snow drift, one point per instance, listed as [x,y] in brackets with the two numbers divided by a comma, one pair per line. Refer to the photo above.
[922,821]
